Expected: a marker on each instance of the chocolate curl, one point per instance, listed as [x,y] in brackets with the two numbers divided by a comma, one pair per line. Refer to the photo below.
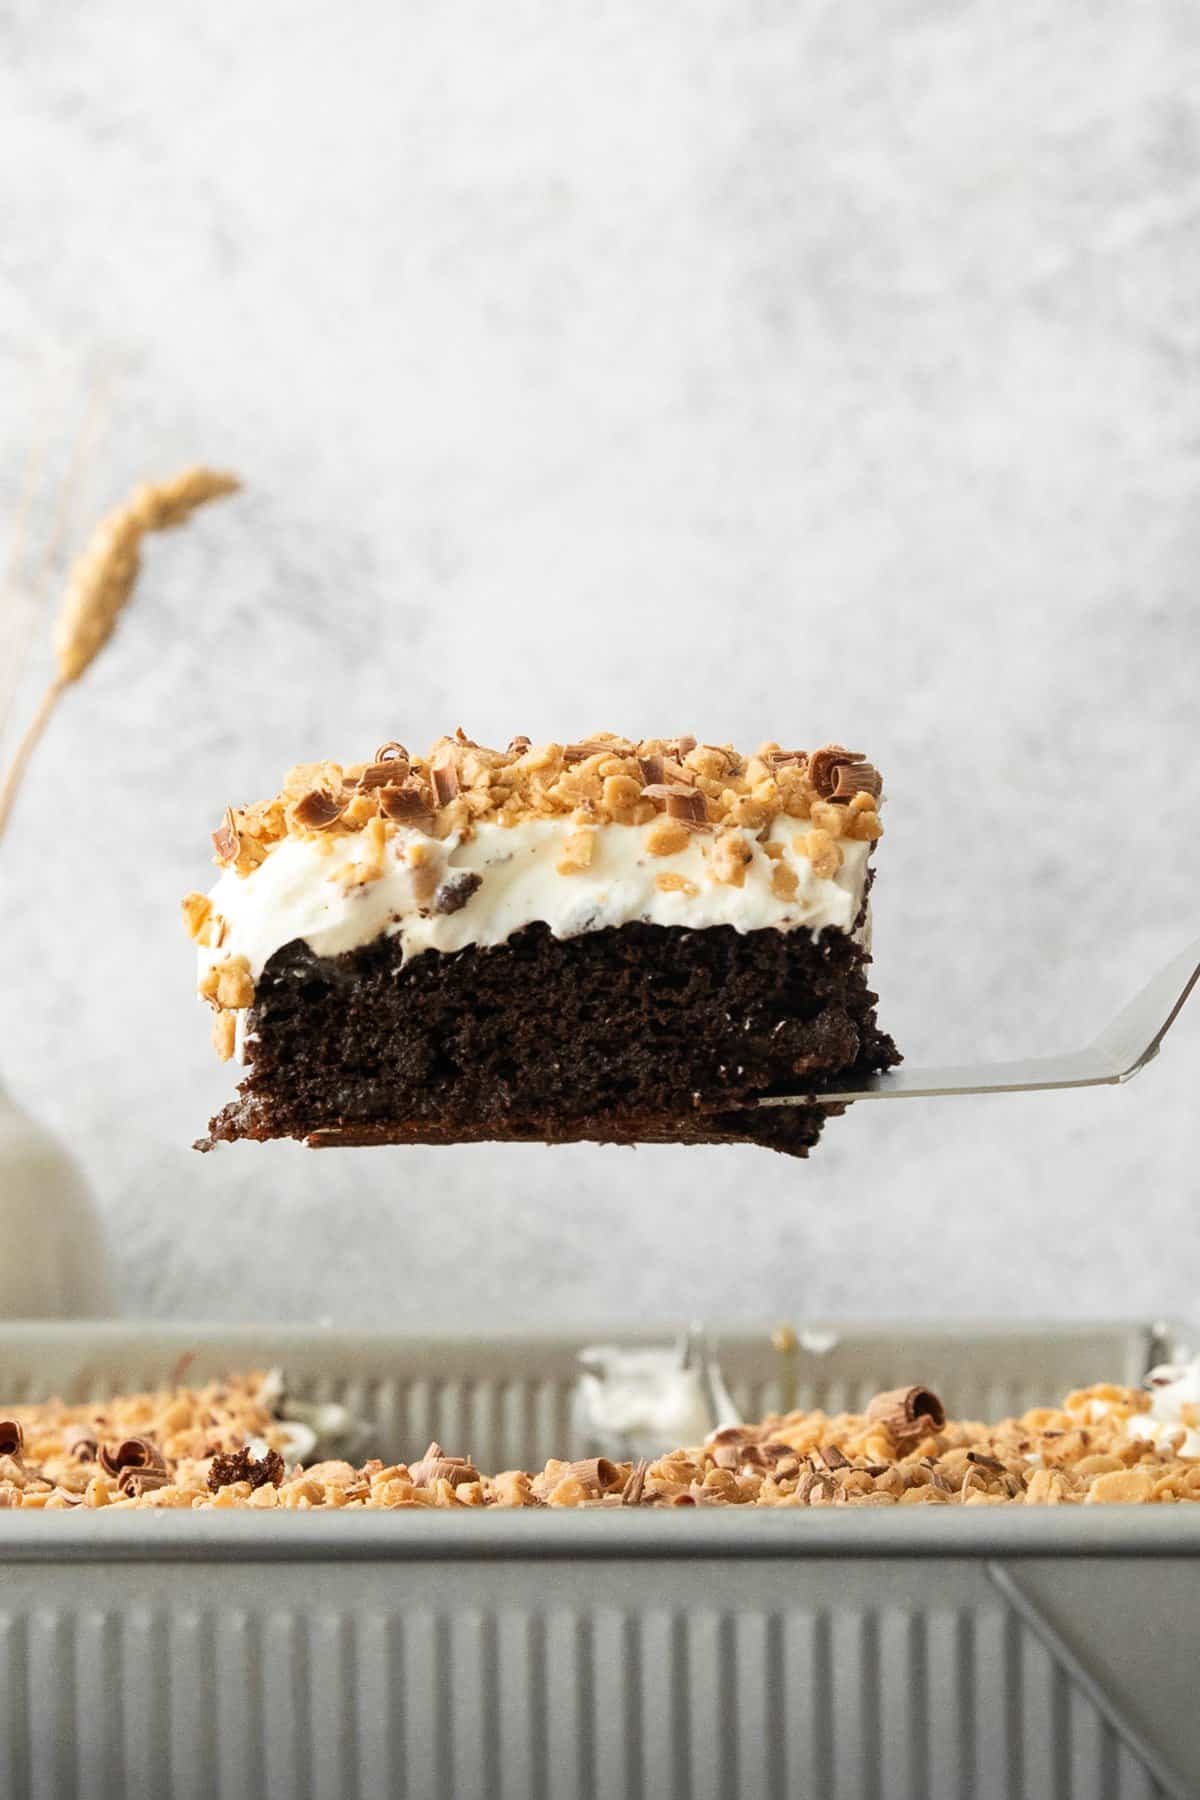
[654,770]
[81,1443]
[573,753]
[519,745]
[225,839]
[631,1493]
[130,1453]
[133,1483]
[318,811]
[12,1438]
[385,771]
[685,803]
[444,776]
[596,1474]
[823,765]
[856,778]
[404,804]
[907,1413]
[435,1465]
[832,1457]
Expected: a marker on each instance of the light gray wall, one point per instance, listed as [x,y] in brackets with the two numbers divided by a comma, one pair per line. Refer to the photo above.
[800,370]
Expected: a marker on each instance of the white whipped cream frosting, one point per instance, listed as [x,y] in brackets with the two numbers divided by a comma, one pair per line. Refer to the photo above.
[1174,1406]
[296,892]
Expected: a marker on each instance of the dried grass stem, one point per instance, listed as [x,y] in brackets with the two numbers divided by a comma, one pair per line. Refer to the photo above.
[100,586]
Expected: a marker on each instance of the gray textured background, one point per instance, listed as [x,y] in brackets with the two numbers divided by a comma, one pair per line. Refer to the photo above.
[795,370]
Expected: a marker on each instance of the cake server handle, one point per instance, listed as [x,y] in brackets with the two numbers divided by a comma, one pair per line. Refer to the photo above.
[1121,1051]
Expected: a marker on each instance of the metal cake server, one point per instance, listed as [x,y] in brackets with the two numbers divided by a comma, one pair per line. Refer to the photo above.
[1120,1052]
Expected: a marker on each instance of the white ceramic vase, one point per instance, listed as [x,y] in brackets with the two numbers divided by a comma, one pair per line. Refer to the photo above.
[53,1259]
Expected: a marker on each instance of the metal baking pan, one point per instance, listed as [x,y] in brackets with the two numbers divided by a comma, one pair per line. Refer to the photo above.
[843,1656]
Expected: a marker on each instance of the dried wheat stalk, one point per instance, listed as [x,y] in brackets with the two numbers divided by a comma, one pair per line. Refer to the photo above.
[100,587]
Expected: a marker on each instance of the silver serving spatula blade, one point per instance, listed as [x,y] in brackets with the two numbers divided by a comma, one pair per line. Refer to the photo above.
[1121,1051]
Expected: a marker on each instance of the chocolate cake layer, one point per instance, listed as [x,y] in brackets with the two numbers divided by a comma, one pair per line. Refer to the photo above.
[637,1034]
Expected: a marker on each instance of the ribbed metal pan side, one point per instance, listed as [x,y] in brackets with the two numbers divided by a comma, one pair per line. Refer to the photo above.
[507,1399]
[668,1682]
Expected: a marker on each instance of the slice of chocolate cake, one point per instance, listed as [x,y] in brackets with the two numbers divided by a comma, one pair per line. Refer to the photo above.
[617,941]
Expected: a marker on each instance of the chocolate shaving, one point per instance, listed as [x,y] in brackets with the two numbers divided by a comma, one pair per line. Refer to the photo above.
[240,1465]
[785,759]
[519,745]
[435,1465]
[383,774]
[682,745]
[595,1473]
[317,811]
[732,1434]
[654,770]
[130,1453]
[573,753]
[856,778]
[690,806]
[444,776]
[468,743]
[81,1444]
[405,804]
[225,840]
[133,1483]
[455,891]
[631,1493]
[12,1438]
[986,1462]
[685,803]
[832,1457]
[823,765]
[682,1500]
[907,1412]
[391,752]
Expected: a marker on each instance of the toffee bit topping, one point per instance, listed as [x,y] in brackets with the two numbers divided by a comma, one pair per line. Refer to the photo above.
[435,1465]
[317,811]
[455,891]
[908,1412]
[600,779]
[130,1453]
[239,1465]
[444,776]
[225,839]
[12,1438]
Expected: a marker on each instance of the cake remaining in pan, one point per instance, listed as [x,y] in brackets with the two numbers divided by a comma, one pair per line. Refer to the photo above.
[223,1446]
[620,941]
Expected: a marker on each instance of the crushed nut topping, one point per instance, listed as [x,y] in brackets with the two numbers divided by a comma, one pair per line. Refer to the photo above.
[600,779]
[191,1448]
